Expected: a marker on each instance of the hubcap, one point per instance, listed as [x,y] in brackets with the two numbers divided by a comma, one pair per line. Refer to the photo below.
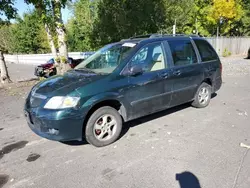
[203,95]
[105,127]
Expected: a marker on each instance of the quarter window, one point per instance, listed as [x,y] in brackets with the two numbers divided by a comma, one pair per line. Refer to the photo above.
[182,52]
[207,53]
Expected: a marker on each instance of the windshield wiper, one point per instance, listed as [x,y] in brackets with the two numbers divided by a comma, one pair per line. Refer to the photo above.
[85,69]
[90,71]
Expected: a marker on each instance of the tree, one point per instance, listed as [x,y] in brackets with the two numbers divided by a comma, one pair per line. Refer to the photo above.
[127,18]
[57,5]
[242,26]
[6,8]
[29,34]
[6,37]
[224,12]
[172,14]
[197,22]
[50,10]
[44,10]
[80,26]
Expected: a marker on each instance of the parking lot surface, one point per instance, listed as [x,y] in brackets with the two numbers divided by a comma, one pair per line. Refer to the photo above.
[182,147]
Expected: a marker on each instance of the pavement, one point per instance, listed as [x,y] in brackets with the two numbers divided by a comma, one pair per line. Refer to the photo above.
[20,72]
[182,147]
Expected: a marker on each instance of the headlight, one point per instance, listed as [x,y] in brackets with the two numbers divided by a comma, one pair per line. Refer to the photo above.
[62,102]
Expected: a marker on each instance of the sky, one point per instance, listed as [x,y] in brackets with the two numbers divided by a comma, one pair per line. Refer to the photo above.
[23,7]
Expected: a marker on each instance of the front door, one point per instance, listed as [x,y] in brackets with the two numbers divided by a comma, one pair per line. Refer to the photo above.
[146,92]
[186,73]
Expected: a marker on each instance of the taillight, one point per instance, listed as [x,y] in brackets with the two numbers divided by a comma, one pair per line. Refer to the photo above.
[221,68]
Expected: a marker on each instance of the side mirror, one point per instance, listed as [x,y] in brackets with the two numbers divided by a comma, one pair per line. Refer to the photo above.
[135,70]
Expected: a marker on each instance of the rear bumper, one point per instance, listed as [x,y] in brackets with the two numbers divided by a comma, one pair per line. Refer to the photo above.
[53,128]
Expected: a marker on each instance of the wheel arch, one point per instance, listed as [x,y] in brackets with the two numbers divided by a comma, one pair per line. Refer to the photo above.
[112,102]
[208,81]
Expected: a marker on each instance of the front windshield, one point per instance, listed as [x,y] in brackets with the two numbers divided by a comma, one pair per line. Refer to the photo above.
[107,58]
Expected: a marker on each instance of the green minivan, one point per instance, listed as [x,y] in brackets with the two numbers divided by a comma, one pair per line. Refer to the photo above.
[123,81]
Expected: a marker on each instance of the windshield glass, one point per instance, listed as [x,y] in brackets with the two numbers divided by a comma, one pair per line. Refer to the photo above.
[107,58]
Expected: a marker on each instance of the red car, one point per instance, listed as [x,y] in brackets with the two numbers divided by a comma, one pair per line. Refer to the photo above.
[48,69]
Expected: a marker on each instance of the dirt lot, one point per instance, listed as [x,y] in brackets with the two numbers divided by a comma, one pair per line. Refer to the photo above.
[180,147]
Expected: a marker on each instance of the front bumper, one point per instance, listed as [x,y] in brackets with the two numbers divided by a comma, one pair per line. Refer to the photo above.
[39,71]
[63,125]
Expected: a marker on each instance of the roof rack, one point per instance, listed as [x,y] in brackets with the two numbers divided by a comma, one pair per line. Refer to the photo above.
[172,35]
[141,36]
[156,35]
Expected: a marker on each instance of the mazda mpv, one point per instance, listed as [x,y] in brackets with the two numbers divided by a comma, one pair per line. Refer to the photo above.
[123,81]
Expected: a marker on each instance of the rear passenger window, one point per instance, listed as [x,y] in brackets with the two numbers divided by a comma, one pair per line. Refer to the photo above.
[207,53]
[182,52]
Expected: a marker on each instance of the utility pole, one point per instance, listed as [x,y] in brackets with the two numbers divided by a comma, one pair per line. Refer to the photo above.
[174,28]
[196,26]
[218,33]
[217,40]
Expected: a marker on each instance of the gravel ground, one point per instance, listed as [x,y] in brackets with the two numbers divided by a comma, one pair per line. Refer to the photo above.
[182,147]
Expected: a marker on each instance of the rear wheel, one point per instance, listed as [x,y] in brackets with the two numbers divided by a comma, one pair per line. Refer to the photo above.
[103,127]
[203,96]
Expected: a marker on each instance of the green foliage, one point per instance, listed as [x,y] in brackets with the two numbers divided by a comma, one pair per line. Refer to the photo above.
[207,15]
[6,38]
[180,11]
[242,27]
[63,59]
[29,35]
[197,22]
[44,8]
[80,27]
[96,23]
[127,18]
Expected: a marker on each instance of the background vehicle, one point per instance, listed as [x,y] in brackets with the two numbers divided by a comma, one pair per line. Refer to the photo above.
[46,70]
[121,82]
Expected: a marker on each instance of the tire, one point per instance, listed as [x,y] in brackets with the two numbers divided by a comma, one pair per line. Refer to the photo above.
[198,102]
[103,127]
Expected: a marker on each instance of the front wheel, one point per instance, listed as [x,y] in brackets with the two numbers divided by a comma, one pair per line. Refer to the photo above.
[203,96]
[103,127]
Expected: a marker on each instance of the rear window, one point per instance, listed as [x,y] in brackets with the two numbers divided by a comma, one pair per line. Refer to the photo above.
[207,53]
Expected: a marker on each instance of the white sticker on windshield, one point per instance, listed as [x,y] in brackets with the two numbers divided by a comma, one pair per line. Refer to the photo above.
[129,44]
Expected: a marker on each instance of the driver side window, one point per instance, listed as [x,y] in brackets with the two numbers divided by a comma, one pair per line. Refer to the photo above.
[150,58]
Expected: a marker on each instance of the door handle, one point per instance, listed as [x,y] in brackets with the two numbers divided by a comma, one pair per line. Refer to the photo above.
[164,75]
[177,73]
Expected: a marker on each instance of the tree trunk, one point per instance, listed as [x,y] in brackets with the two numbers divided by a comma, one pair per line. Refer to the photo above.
[4,76]
[51,41]
[52,47]
[61,34]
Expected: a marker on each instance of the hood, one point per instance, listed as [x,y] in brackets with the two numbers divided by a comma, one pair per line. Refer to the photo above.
[64,84]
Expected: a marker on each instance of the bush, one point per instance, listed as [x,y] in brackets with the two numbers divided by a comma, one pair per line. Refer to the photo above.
[226,53]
